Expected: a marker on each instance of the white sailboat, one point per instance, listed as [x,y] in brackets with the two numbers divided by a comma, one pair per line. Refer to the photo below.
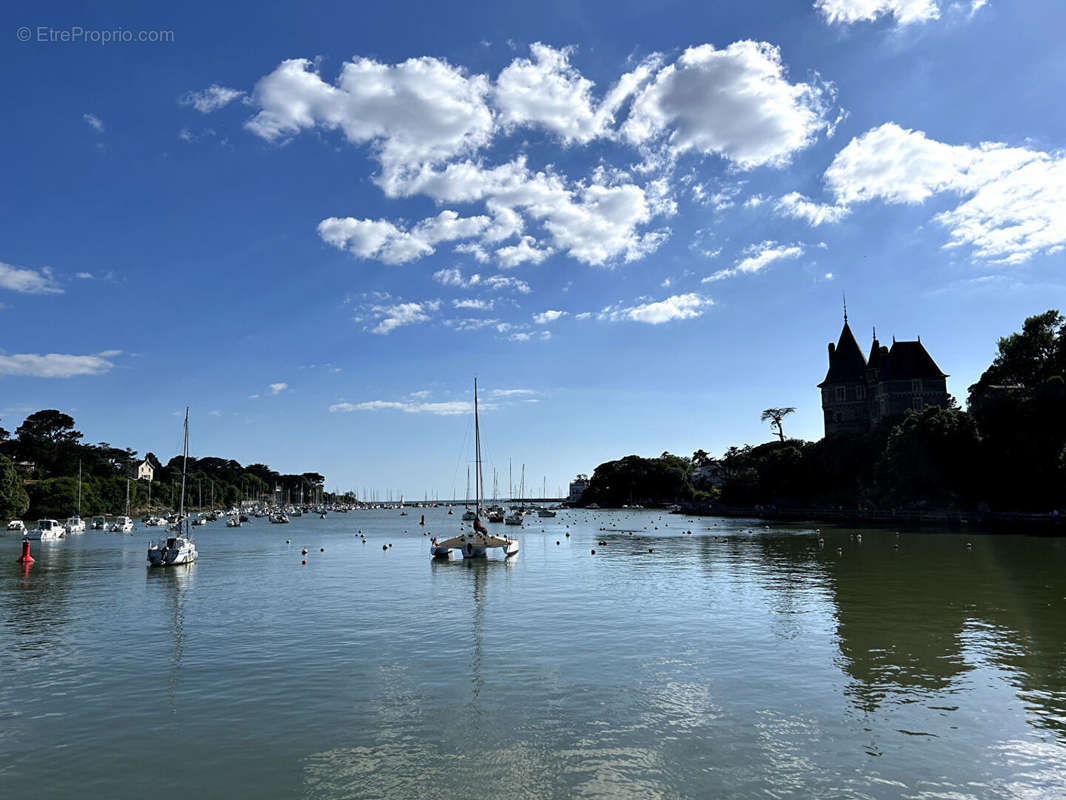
[176,548]
[47,530]
[76,524]
[468,515]
[477,543]
[124,524]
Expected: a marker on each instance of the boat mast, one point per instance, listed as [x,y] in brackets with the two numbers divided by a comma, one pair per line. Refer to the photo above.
[79,488]
[184,461]
[478,489]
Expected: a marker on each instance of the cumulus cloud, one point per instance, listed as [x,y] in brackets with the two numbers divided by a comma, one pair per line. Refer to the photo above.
[56,365]
[678,306]
[530,336]
[736,103]
[546,317]
[423,110]
[905,12]
[210,99]
[1012,199]
[511,392]
[547,90]
[526,250]
[278,388]
[391,317]
[471,323]
[381,239]
[758,257]
[94,122]
[429,125]
[797,206]
[27,280]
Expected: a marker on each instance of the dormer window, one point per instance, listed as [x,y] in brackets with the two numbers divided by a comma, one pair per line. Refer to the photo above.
[860,392]
[840,394]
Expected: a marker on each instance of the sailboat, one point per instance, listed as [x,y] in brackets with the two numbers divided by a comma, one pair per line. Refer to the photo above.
[176,548]
[124,524]
[76,524]
[468,515]
[477,543]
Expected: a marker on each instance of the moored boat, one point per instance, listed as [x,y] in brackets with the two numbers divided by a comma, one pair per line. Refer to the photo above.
[46,530]
[178,547]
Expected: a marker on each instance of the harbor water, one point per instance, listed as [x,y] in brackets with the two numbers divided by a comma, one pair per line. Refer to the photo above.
[686,657]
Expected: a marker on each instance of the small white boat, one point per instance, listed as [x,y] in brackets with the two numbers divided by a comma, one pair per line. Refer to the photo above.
[17,525]
[171,551]
[200,520]
[100,524]
[46,530]
[279,518]
[156,522]
[234,521]
[122,525]
[545,512]
[515,518]
[75,525]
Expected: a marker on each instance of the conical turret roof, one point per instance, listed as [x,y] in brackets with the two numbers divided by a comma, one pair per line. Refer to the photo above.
[846,361]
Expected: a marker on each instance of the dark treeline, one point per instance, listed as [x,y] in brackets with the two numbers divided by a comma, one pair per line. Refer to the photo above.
[1005,452]
[39,475]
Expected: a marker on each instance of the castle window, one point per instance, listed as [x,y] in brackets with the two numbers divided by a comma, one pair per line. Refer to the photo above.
[916,385]
[840,394]
[917,404]
[860,392]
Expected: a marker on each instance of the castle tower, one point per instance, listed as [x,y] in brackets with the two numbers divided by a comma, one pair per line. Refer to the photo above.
[844,390]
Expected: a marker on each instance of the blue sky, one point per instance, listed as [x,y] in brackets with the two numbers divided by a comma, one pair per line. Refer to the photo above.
[633,221]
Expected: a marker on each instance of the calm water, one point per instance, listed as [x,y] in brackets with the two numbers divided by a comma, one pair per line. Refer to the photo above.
[738,661]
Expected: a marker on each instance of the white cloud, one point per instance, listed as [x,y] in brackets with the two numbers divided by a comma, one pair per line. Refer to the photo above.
[679,306]
[395,316]
[278,388]
[28,281]
[210,99]
[512,392]
[736,103]
[85,276]
[94,122]
[526,250]
[453,276]
[546,317]
[905,12]
[215,413]
[829,276]
[450,408]
[797,206]
[55,365]
[474,304]
[547,90]
[471,323]
[758,257]
[422,110]
[530,336]
[381,239]
[1015,197]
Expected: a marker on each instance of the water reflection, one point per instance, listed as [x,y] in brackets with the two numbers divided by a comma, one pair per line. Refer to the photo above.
[173,583]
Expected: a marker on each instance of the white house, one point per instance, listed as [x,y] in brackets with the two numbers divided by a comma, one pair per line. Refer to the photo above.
[145,472]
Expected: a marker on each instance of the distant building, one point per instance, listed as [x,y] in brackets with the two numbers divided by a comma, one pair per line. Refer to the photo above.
[858,393]
[577,488]
[145,471]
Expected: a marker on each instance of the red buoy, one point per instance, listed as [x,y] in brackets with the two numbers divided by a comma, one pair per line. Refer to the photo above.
[25,558]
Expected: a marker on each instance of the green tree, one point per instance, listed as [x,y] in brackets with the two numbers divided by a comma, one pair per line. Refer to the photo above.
[13,498]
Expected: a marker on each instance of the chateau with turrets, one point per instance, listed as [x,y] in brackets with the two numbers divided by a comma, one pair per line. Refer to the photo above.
[858,393]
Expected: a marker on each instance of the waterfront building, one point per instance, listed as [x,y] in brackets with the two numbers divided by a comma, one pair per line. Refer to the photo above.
[145,471]
[577,488]
[858,393]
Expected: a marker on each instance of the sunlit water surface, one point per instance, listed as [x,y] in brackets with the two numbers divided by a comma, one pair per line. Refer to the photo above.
[736,660]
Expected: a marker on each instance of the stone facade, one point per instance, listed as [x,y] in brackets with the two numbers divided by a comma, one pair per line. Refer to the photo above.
[858,393]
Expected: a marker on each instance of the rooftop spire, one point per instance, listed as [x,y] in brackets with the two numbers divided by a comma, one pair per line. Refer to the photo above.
[843,295]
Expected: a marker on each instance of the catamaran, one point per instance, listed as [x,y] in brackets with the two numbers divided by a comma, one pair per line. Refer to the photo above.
[176,548]
[477,543]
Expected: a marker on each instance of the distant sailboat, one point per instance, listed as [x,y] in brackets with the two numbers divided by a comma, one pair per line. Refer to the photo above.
[176,548]
[476,544]
[76,524]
